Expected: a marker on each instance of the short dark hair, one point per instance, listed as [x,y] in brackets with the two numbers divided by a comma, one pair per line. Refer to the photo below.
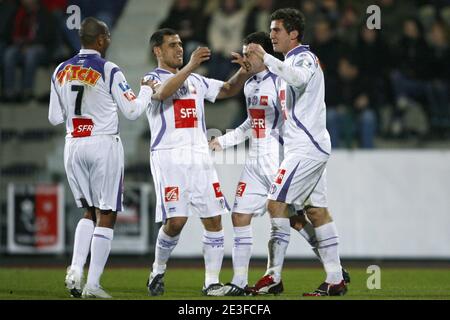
[90,29]
[292,18]
[261,38]
[157,38]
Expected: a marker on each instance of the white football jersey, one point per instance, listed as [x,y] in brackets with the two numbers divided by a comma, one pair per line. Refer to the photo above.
[86,91]
[301,90]
[264,117]
[179,121]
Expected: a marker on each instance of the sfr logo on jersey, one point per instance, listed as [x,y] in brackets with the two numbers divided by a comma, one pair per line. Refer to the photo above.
[258,122]
[185,113]
[217,190]
[280,176]
[240,189]
[82,127]
[171,194]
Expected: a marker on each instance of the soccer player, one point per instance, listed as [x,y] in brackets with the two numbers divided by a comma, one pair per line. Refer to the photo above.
[302,174]
[264,158]
[183,173]
[86,92]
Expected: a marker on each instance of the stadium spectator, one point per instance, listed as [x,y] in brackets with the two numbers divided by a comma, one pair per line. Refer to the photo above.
[32,41]
[439,80]
[258,18]
[7,11]
[412,68]
[327,46]
[225,32]
[186,20]
[350,111]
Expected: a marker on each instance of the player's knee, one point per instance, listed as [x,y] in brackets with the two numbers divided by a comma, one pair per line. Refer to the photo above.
[174,226]
[106,218]
[277,209]
[318,216]
[213,224]
[241,219]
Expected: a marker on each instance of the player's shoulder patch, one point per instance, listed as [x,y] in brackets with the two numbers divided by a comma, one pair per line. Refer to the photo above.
[306,59]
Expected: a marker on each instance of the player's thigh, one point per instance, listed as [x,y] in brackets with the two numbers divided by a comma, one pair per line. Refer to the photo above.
[296,179]
[207,199]
[318,197]
[107,173]
[171,187]
[77,172]
[252,190]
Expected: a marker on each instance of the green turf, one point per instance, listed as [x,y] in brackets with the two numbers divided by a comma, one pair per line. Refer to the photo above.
[129,283]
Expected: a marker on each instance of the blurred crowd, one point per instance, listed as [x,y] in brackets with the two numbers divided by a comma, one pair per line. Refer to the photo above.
[390,83]
[34,33]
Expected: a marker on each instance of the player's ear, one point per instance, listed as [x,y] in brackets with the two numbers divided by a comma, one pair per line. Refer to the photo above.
[293,34]
[157,51]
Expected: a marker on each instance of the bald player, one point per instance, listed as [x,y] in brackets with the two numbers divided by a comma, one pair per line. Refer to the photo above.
[86,93]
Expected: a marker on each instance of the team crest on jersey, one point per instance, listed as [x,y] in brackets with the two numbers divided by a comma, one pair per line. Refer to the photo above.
[71,72]
[171,194]
[264,101]
[254,100]
[183,91]
[280,176]
[240,189]
[217,190]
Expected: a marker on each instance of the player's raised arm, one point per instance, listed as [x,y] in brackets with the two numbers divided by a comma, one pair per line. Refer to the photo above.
[237,81]
[297,75]
[130,105]
[169,87]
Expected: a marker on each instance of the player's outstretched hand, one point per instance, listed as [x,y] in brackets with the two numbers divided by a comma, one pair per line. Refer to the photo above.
[151,83]
[238,59]
[257,50]
[198,56]
[214,145]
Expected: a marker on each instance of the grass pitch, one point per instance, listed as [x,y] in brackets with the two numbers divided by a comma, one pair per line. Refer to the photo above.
[186,284]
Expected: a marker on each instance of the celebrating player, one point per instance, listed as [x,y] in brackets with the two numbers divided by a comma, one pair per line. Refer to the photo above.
[183,173]
[301,178]
[86,91]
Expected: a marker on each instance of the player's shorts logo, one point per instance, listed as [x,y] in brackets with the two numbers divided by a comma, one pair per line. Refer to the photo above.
[258,122]
[264,101]
[185,113]
[82,127]
[217,190]
[280,176]
[171,194]
[240,189]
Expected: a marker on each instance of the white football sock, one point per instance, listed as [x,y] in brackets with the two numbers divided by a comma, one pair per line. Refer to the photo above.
[82,244]
[328,240]
[213,254]
[279,240]
[309,234]
[164,247]
[242,251]
[100,248]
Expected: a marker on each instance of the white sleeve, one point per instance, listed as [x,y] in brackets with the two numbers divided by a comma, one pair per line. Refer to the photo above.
[236,136]
[56,114]
[297,75]
[212,88]
[130,105]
